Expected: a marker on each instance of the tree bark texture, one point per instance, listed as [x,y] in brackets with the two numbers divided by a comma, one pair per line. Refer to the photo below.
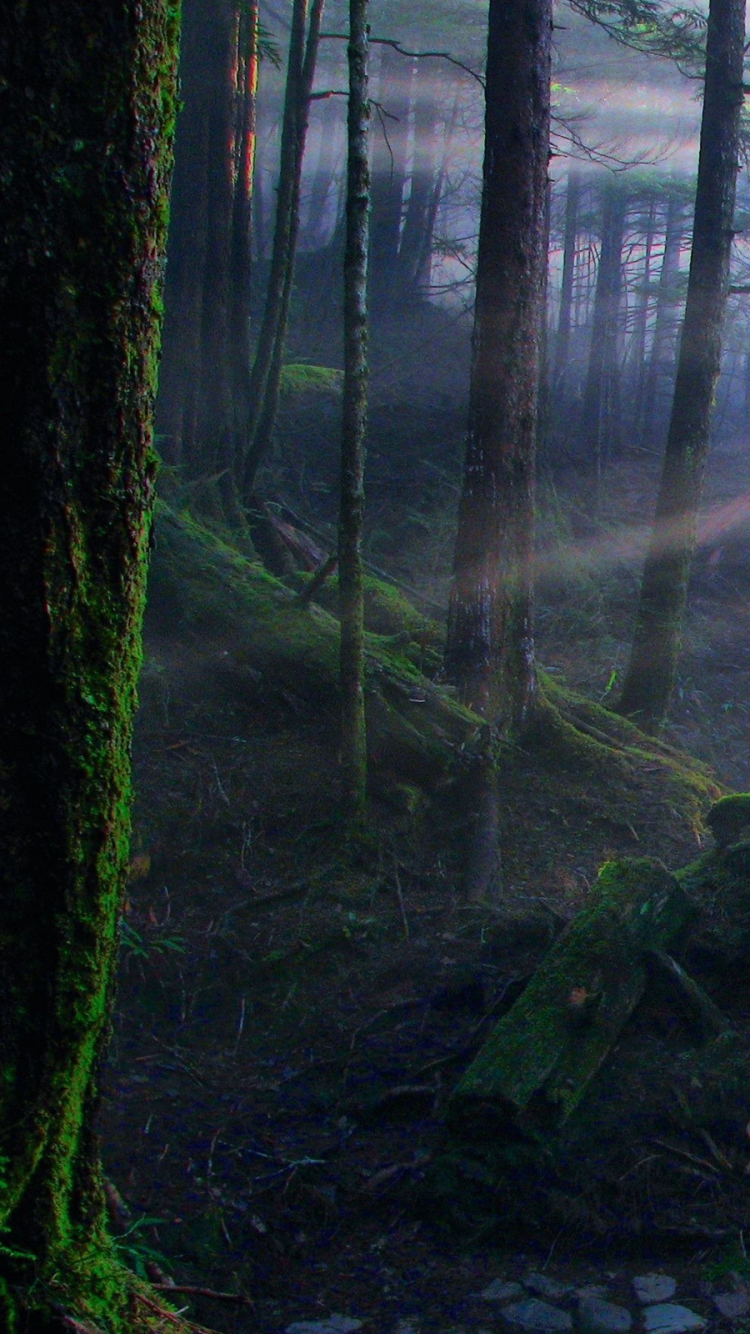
[351,570]
[89,99]
[657,637]
[489,651]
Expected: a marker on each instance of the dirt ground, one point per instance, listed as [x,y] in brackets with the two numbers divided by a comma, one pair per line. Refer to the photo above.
[292,1015]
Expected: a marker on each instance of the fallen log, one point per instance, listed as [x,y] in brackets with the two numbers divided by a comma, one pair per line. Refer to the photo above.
[536,1066]
[205,593]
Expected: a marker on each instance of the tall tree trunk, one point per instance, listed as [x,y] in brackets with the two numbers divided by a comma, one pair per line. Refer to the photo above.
[241,249]
[322,212]
[489,650]
[265,377]
[564,321]
[662,347]
[600,411]
[89,98]
[351,570]
[414,239]
[656,642]
[177,403]
[640,323]
[389,162]
[219,56]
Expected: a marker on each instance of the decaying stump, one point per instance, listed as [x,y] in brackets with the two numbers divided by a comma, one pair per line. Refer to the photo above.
[537,1064]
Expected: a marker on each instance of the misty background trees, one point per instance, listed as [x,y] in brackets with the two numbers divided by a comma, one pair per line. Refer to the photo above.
[253,339]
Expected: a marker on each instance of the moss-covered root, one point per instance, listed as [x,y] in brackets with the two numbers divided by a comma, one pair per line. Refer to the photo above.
[537,1064]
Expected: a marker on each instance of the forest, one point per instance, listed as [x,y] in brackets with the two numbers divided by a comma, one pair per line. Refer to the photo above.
[374,666]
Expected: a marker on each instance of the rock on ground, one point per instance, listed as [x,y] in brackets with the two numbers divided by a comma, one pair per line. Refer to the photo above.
[536,1315]
[596,1316]
[671,1319]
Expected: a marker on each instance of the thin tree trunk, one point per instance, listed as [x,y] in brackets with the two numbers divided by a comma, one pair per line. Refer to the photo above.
[177,403]
[265,377]
[239,314]
[351,571]
[656,642]
[562,339]
[663,324]
[390,145]
[89,98]
[599,416]
[414,240]
[640,323]
[219,56]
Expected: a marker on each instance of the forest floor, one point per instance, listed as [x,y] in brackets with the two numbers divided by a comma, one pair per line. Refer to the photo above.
[293,1013]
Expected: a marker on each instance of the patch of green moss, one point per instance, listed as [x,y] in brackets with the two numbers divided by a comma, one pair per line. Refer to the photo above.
[729,817]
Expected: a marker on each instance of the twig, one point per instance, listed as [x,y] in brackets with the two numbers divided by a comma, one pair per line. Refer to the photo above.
[240,1298]
[412,55]
[321,574]
[400,897]
[683,1153]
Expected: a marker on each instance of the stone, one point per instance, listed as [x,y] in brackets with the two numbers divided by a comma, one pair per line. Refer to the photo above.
[654,1288]
[535,1315]
[333,1324]
[546,1286]
[732,1304]
[500,1291]
[592,1290]
[671,1319]
[596,1316]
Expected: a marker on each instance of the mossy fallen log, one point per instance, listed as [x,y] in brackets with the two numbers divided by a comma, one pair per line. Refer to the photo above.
[206,593]
[532,1073]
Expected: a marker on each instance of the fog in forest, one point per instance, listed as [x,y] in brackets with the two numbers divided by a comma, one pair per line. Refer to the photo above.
[307,991]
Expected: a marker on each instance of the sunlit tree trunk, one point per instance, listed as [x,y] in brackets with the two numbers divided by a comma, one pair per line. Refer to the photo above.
[89,97]
[657,637]
[241,244]
[351,572]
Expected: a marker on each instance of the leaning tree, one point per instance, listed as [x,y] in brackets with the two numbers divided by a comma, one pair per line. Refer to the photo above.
[652,670]
[88,101]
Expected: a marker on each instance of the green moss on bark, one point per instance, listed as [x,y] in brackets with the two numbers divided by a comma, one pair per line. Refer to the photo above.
[89,98]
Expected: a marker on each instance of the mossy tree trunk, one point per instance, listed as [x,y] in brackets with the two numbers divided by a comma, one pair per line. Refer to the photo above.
[351,569]
[652,670]
[89,97]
